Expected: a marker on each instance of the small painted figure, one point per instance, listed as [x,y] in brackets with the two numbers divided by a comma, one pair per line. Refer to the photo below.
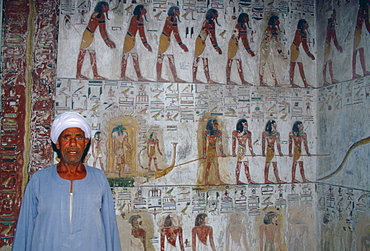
[208,29]
[136,25]
[152,147]
[240,137]
[271,136]
[331,35]
[203,233]
[170,26]
[270,233]
[97,145]
[296,137]
[362,16]
[138,234]
[97,19]
[299,38]
[212,137]
[266,48]
[172,234]
[240,32]
[120,143]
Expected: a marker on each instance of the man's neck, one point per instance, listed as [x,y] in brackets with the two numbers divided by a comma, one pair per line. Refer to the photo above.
[71,171]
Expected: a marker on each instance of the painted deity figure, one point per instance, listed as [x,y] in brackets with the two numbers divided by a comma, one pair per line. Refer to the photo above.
[97,151]
[269,43]
[170,27]
[138,234]
[97,19]
[208,29]
[331,35]
[270,233]
[136,25]
[362,17]
[203,234]
[152,148]
[296,137]
[212,137]
[239,33]
[295,57]
[119,145]
[173,234]
[240,137]
[269,137]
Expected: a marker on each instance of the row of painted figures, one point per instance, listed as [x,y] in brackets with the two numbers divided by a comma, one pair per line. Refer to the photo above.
[171,234]
[212,148]
[270,44]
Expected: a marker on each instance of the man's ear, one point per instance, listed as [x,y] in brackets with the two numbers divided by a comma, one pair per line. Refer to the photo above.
[57,144]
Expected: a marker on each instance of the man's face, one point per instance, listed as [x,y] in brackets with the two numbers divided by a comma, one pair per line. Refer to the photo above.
[274,126]
[215,125]
[176,13]
[105,8]
[300,127]
[245,125]
[277,22]
[143,11]
[215,15]
[71,144]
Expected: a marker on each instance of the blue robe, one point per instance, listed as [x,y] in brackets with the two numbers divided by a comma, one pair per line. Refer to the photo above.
[45,222]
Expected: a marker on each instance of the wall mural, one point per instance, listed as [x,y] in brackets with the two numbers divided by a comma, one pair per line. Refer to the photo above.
[206,145]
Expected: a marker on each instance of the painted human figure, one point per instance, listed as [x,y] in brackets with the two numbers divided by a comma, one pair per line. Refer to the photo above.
[269,43]
[362,16]
[236,232]
[331,35]
[97,19]
[299,38]
[240,137]
[203,233]
[239,33]
[270,233]
[138,234]
[296,137]
[152,147]
[120,143]
[271,136]
[170,27]
[212,137]
[172,234]
[208,29]
[97,145]
[136,25]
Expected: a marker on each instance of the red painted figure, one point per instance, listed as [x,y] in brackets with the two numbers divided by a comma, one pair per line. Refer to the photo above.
[240,138]
[203,234]
[136,25]
[362,16]
[171,233]
[208,29]
[331,35]
[299,38]
[240,33]
[296,137]
[170,27]
[97,19]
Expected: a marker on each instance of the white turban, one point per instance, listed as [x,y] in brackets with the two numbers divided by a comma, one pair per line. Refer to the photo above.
[68,120]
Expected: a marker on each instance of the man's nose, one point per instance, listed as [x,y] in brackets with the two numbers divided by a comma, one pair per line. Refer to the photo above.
[72,141]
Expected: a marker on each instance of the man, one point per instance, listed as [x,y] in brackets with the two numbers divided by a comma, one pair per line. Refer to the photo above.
[270,233]
[271,35]
[239,33]
[136,25]
[170,27]
[208,29]
[203,233]
[270,135]
[152,148]
[171,233]
[240,137]
[299,38]
[69,205]
[296,137]
[212,137]
[331,35]
[138,234]
[97,19]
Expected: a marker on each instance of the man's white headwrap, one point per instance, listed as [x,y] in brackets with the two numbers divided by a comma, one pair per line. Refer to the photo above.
[68,120]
